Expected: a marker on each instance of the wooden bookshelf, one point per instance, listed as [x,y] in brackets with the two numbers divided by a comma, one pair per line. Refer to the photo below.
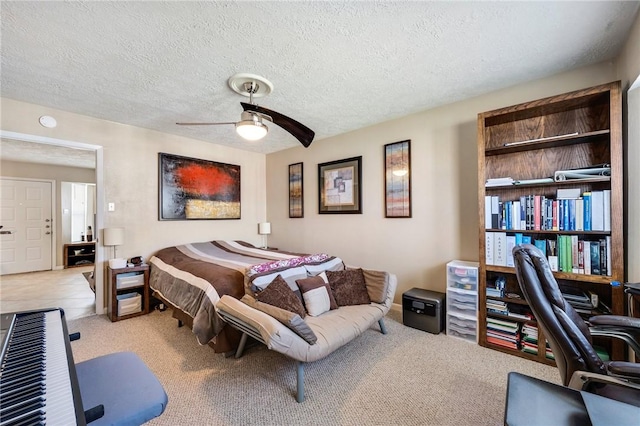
[532,140]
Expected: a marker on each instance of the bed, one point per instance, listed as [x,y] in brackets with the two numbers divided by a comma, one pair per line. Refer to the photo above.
[191,278]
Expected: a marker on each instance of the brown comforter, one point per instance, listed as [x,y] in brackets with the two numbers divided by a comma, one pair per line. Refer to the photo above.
[193,277]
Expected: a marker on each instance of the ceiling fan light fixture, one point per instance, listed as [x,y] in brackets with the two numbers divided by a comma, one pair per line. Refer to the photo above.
[251,130]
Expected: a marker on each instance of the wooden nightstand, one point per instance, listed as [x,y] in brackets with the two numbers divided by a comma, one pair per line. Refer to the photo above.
[128,292]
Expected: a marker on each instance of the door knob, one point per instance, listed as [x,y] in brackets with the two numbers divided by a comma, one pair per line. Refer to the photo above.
[47,233]
[47,220]
[47,226]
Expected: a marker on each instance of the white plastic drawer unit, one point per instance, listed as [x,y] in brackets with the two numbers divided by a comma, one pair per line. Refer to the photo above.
[461,327]
[129,280]
[129,303]
[462,275]
[462,300]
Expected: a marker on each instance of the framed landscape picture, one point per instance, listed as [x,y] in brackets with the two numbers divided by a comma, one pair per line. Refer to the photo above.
[340,186]
[397,182]
[296,191]
[192,189]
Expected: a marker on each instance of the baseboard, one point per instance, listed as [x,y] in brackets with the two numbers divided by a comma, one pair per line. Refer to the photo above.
[396,307]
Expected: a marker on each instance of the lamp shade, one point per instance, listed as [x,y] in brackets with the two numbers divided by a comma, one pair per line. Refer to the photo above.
[264,228]
[113,236]
[251,130]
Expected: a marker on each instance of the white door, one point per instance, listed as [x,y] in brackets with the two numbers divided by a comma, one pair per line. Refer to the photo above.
[26,226]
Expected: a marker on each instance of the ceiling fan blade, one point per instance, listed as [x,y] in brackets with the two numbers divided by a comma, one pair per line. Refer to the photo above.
[202,124]
[301,132]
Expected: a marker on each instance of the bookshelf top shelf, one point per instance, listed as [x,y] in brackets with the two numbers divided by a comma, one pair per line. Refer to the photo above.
[550,142]
[568,182]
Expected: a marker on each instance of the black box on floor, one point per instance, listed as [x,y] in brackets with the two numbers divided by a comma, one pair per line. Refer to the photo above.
[423,309]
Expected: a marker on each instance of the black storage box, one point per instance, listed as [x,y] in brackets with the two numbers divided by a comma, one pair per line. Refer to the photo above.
[423,309]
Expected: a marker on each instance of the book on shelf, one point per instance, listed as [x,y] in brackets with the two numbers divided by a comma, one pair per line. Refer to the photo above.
[488,247]
[500,254]
[606,210]
[595,258]
[504,343]
[597,210]
[511,243]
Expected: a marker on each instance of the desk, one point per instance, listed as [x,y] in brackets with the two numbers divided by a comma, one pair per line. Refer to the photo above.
[532,402]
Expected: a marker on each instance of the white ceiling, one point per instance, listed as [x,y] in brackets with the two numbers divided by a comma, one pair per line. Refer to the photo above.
[335,66]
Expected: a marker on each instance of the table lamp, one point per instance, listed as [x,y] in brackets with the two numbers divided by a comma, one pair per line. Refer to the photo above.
[264,229]
[114,237]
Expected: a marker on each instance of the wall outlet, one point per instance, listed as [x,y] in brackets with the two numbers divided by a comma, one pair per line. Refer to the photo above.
[112,207]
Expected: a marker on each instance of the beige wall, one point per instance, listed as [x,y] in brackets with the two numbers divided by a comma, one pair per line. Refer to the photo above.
[49,172]
[629,72]
[445,197]
[131,177]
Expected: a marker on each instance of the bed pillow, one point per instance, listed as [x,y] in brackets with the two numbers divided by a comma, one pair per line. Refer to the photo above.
[260,281]
[288,318]
[317,295]
[278,293]
[348,287]
[315,267]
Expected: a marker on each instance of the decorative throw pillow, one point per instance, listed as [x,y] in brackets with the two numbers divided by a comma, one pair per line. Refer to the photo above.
[377,285]
[348,287]
[288,318]
[317,295]
[279,294]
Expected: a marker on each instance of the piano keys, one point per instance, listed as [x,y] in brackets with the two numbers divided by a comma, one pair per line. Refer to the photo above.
[38,381]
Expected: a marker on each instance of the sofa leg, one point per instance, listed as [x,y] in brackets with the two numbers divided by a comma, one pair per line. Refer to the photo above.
[383,328]
[243,341]
[300,376]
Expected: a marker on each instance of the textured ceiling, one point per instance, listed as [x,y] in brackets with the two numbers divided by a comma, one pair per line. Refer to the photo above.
[13,150]
[335,66]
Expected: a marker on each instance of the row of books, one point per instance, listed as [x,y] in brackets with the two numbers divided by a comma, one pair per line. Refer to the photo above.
[570,211]
[529,341]
[565,253]
[503,333]
[503,308]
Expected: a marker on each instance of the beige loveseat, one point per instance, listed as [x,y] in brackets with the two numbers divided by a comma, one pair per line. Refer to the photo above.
[333,328]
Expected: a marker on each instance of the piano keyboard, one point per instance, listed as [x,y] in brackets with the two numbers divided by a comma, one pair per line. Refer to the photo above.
[35,383]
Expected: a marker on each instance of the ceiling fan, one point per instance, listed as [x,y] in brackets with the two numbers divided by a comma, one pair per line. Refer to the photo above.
[251,126]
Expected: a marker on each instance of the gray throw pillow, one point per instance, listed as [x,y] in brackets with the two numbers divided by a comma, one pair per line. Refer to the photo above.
[288,318]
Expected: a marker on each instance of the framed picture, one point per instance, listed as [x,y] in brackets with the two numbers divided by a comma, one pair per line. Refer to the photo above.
[296,191]
[397,181]
[197,189]
[340,186]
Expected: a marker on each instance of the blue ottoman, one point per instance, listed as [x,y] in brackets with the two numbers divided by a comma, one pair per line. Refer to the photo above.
[130,392]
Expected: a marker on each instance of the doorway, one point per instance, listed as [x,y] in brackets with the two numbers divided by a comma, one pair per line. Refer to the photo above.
[26,221]
[99,204]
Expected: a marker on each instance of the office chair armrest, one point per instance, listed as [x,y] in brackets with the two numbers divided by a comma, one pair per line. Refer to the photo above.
[616,321]
[580,380]
[627,370]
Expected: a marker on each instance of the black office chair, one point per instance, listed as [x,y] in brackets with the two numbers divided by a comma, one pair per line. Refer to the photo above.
[569,335]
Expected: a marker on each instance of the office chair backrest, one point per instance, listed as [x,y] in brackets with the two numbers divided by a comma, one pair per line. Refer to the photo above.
[566,331]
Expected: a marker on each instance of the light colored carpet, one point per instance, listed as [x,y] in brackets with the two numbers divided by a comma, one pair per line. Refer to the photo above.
[407,377]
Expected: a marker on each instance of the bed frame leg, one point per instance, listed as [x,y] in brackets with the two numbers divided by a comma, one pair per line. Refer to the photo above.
[383,328]
[243,341]
[300,376]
